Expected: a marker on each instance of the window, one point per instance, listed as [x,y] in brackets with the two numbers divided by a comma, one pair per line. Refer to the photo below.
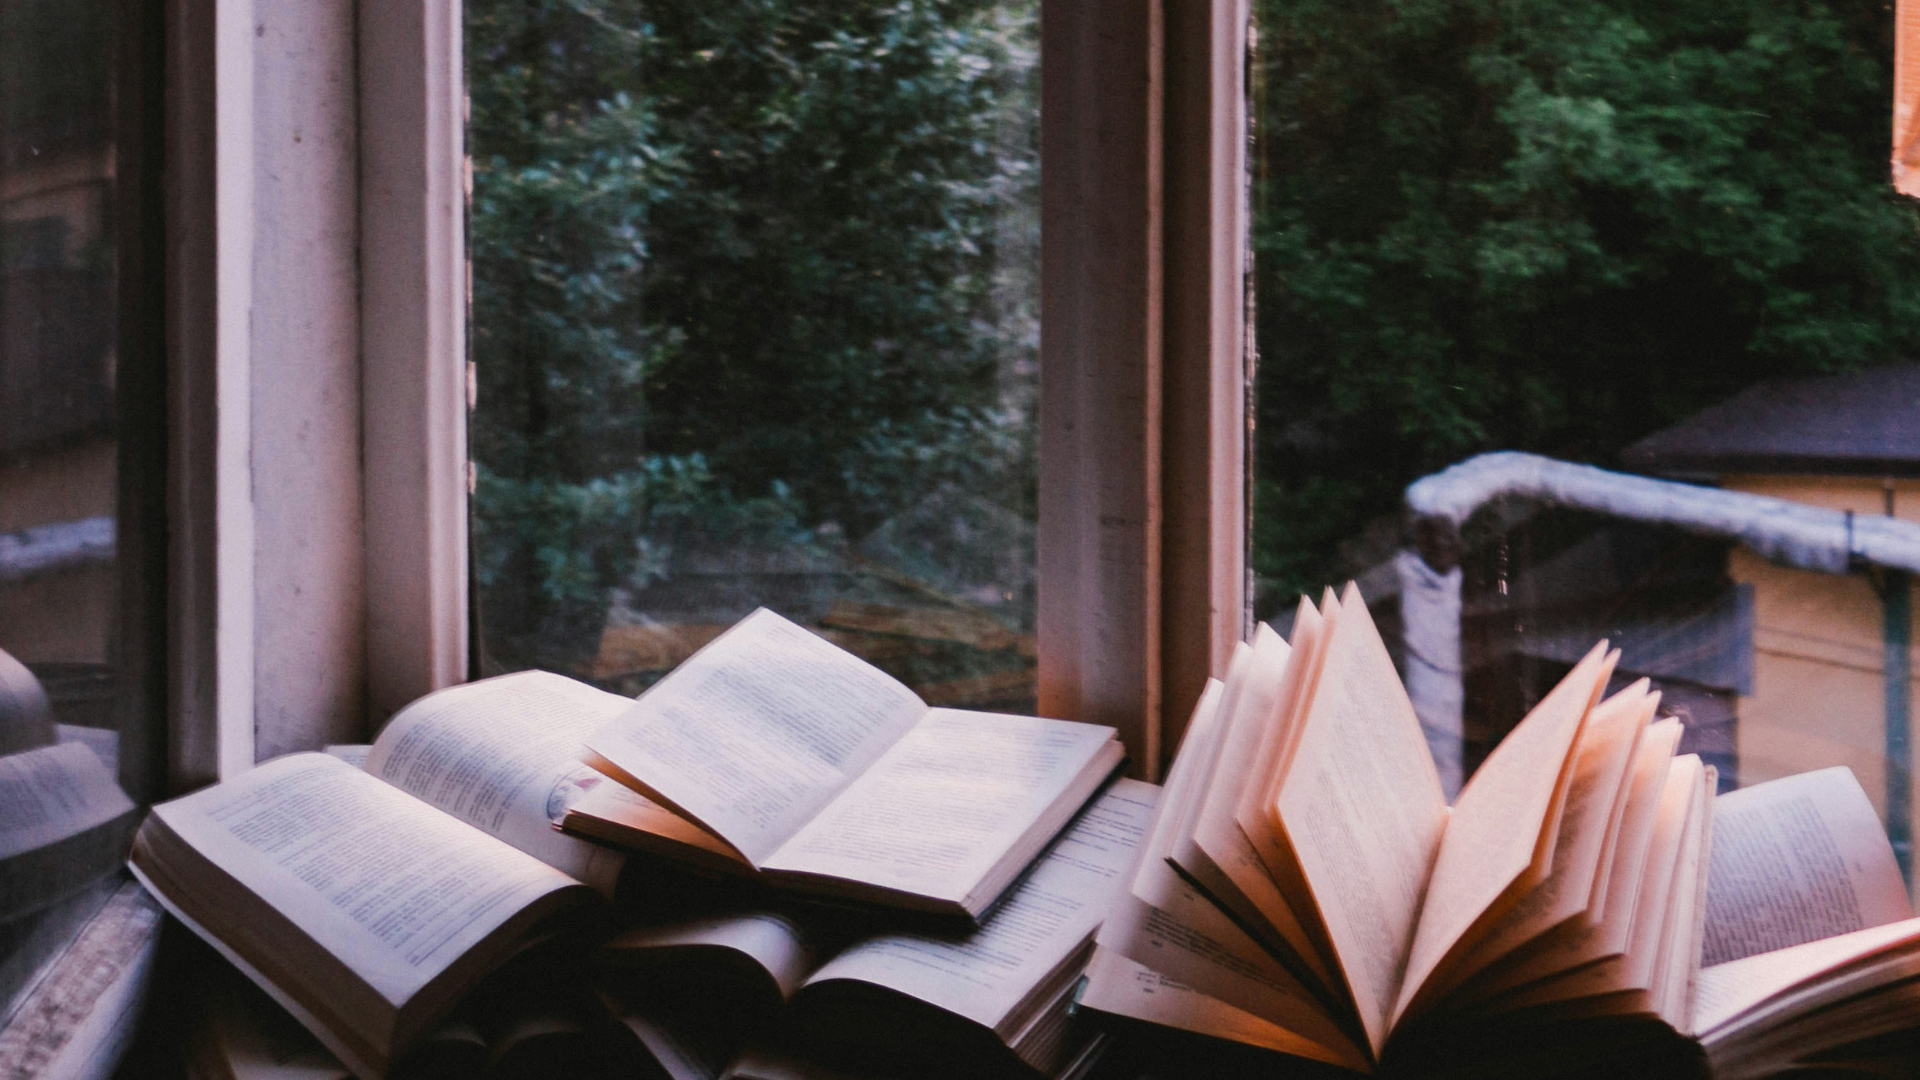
[81,487]
[1656,240]
[755,322]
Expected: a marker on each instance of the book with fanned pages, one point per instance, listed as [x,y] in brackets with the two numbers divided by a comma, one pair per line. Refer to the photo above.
[1305,887]
[775,754]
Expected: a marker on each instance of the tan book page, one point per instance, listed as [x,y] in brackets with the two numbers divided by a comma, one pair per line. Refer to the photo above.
[1597,902]
[615,813]
[1205,950]
[780,946]
[1202,756]
[1601,762]
[394,888]
[1725,993]
[941,807]
[1497,838]
[1250,812]
[1665,877]
[503,755]
[757,731]
[1363,810]
[1798,859]
[985,975]
[1585,943]
[1124,987]
[1218,855]
[1633,970]
[1671,967]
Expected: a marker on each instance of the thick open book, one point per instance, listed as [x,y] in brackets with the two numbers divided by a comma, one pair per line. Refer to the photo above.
[739,993]
[1306,888]
[370,902]
[774,752]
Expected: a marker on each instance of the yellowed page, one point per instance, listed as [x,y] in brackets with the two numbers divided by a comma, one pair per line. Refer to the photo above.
[1633,971]
[1798,859]
[620,815]
[1163,921]
[756,732]
[1123,987]
[1497,837]
[1362,808]
[1585,943]
[1601,761]
[503,755]
[1597,903]
[1668,877]
[1275,739]
[1216,854]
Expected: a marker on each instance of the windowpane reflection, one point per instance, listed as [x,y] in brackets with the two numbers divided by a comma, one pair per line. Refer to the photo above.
[755,323]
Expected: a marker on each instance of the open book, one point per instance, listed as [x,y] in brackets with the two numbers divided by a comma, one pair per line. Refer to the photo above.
[773,752]
[737,993]
[1305,886]
[370,902]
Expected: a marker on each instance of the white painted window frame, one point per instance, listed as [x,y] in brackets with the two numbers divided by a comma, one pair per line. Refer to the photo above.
[1143,440]
[316,343]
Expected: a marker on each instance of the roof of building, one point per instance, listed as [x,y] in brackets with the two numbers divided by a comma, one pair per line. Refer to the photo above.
[1864,423]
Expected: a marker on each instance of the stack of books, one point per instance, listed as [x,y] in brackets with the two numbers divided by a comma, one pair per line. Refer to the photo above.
[779,863]
[496,880]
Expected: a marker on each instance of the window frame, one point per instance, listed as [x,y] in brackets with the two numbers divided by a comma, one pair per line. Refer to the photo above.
[1145,365]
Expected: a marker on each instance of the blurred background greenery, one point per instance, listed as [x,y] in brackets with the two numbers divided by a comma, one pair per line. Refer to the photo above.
[762,275]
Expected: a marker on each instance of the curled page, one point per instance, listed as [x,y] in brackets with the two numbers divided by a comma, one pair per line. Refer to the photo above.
[503,755]
[395,889]
[1796,860]
[757,731]
[986,974]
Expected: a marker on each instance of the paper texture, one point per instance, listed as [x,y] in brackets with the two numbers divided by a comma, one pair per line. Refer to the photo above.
[944,803]
[759,730]
[396,889]
[503,755]
[1795,860]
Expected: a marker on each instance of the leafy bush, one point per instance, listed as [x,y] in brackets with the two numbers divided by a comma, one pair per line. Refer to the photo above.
[751,263]
[1553,225]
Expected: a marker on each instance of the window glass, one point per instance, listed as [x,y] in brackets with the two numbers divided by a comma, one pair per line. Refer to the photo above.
[1655,238]
[755,322]
[74,734]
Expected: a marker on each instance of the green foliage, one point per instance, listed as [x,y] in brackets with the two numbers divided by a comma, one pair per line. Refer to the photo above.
[740,268]
[1552,225]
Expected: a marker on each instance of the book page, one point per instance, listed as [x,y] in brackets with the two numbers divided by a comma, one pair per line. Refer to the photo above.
[503,755]
[1504,823]
[394,888]
[629,811]
[1123,987]
[1218,854]
[945,802]
[53,792]
[1601,760]
[1725,991]
[984,975]
[1794,860]
[1608,938]
[1362,809]
[771,940]
[757,731]
[1276,739]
